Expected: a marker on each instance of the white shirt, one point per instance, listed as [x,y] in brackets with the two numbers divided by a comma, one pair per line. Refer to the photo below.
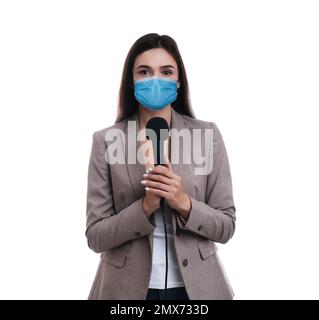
[174,277]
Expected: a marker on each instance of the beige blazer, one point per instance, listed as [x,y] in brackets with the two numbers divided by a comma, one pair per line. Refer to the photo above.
[118,229]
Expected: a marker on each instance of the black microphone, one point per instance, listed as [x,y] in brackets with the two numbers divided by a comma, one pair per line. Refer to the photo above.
[157,131]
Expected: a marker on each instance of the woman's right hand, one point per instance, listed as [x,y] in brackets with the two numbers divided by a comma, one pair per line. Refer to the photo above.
[151,202]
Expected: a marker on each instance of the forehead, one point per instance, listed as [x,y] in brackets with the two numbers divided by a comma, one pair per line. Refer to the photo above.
[155,58]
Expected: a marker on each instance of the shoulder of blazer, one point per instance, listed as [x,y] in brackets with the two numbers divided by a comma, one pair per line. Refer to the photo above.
[202,124]
[197,123]
[99,135]
[101,132]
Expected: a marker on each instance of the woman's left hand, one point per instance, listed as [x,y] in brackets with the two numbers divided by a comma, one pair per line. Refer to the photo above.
[163,182]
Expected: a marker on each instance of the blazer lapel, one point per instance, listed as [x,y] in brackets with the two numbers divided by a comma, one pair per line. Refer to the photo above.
[134,167]
[184,170]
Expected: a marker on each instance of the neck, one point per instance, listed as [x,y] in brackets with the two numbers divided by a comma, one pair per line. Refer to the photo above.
[146,114]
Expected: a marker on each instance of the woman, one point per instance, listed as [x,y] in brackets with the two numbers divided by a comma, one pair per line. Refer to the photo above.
[124,221]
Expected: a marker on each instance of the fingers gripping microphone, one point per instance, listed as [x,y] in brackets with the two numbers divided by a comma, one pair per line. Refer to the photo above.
[157,131]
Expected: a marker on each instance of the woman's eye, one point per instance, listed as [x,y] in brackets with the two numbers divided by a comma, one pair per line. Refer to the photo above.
[143,72]
[169,72]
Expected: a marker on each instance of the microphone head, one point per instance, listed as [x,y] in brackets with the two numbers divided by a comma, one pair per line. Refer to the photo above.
[160,126]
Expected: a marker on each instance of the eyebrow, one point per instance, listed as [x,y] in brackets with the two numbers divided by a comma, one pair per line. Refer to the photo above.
[146,66]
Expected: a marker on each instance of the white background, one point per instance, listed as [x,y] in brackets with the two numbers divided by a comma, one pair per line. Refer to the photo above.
[253,69]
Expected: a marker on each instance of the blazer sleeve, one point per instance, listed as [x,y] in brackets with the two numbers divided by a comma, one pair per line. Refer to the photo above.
[106,229]
[215,218]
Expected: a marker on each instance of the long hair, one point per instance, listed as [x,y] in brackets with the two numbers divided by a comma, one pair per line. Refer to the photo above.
[127,104]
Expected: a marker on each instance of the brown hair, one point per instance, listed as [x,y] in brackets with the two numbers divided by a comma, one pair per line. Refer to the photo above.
[127,104]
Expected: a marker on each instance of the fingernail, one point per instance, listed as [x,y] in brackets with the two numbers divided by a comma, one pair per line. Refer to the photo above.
[149,169]
[143,182]
[145,175]
[147,188]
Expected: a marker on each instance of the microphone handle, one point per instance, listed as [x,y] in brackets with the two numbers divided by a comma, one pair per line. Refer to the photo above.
[160,152]
[160,160]
[162,204]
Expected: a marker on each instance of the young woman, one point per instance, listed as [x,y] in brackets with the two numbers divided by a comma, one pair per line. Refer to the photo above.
[124,217]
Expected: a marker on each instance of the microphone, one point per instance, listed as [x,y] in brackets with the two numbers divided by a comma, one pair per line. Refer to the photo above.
[157,131]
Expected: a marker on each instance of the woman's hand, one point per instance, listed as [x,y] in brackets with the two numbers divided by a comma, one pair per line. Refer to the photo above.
[161,181]
[151,202]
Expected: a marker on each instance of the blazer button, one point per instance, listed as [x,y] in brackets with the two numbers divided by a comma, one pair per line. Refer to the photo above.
[200,228]
[138,234]
[185,262]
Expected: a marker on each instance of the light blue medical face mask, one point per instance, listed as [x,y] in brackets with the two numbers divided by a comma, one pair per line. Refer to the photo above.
[155,93]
